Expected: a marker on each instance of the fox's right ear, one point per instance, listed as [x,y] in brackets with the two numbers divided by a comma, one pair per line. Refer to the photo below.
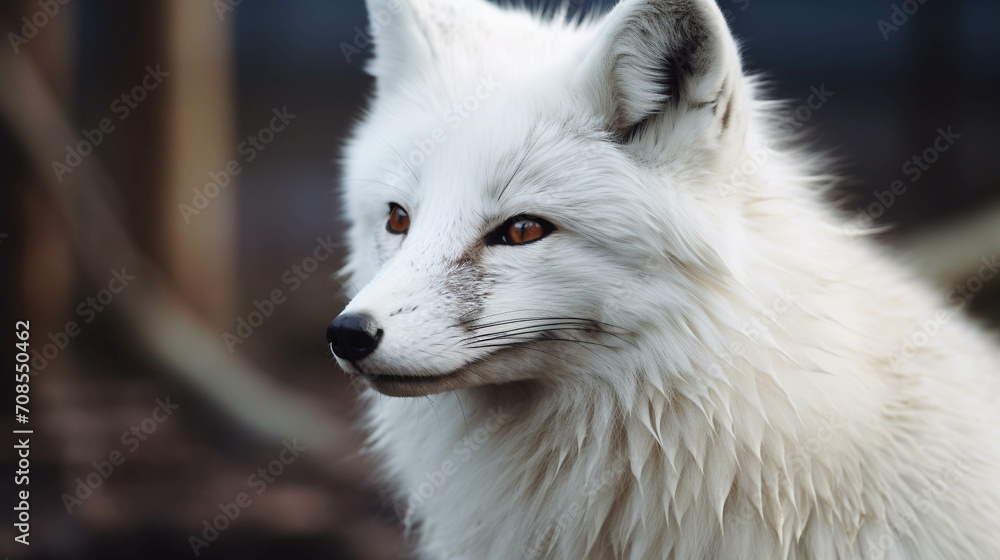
[667,73]
[401,41]
[409,35]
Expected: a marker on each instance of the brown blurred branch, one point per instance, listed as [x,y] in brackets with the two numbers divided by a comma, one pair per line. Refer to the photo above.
[161,320]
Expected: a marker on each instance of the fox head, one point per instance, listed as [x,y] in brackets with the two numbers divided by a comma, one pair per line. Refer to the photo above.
[531,200]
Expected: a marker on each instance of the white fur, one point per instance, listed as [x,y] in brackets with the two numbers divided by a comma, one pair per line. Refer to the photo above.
[744,397]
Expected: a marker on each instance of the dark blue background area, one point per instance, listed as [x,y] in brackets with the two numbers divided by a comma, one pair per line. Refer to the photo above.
[939,69]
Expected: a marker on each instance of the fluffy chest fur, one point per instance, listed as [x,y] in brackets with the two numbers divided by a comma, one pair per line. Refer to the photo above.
[689,357]
[738,462]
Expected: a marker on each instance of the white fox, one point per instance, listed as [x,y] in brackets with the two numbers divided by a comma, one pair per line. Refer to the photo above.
[633,343]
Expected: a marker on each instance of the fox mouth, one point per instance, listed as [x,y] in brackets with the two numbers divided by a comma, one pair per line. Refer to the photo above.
[395,385]
[519,334]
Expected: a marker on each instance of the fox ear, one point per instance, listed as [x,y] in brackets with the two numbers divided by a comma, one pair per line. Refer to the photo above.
[667,66]
[409,35]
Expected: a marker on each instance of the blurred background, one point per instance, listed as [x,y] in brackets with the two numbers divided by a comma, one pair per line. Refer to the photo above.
[169,225]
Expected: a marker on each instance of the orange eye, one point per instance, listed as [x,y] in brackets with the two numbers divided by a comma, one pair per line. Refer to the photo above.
[524,231]
[520,230]
[399,220]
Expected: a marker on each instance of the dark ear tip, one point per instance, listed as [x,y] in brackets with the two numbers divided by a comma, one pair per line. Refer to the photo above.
[663,56]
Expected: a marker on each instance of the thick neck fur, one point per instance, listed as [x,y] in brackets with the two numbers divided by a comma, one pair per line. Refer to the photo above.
[764,422]
[762,404]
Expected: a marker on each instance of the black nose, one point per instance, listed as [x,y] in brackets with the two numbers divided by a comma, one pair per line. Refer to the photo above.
[353,336]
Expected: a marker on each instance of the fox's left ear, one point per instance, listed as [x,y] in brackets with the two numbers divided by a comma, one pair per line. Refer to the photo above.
[411,35]
[668,72]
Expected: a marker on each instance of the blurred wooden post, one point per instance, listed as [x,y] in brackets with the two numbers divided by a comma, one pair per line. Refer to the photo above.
[45,284]
[197,251]
[159,316]
[42,275]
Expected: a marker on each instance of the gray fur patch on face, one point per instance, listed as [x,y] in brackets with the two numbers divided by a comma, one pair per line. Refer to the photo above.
[467,286]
